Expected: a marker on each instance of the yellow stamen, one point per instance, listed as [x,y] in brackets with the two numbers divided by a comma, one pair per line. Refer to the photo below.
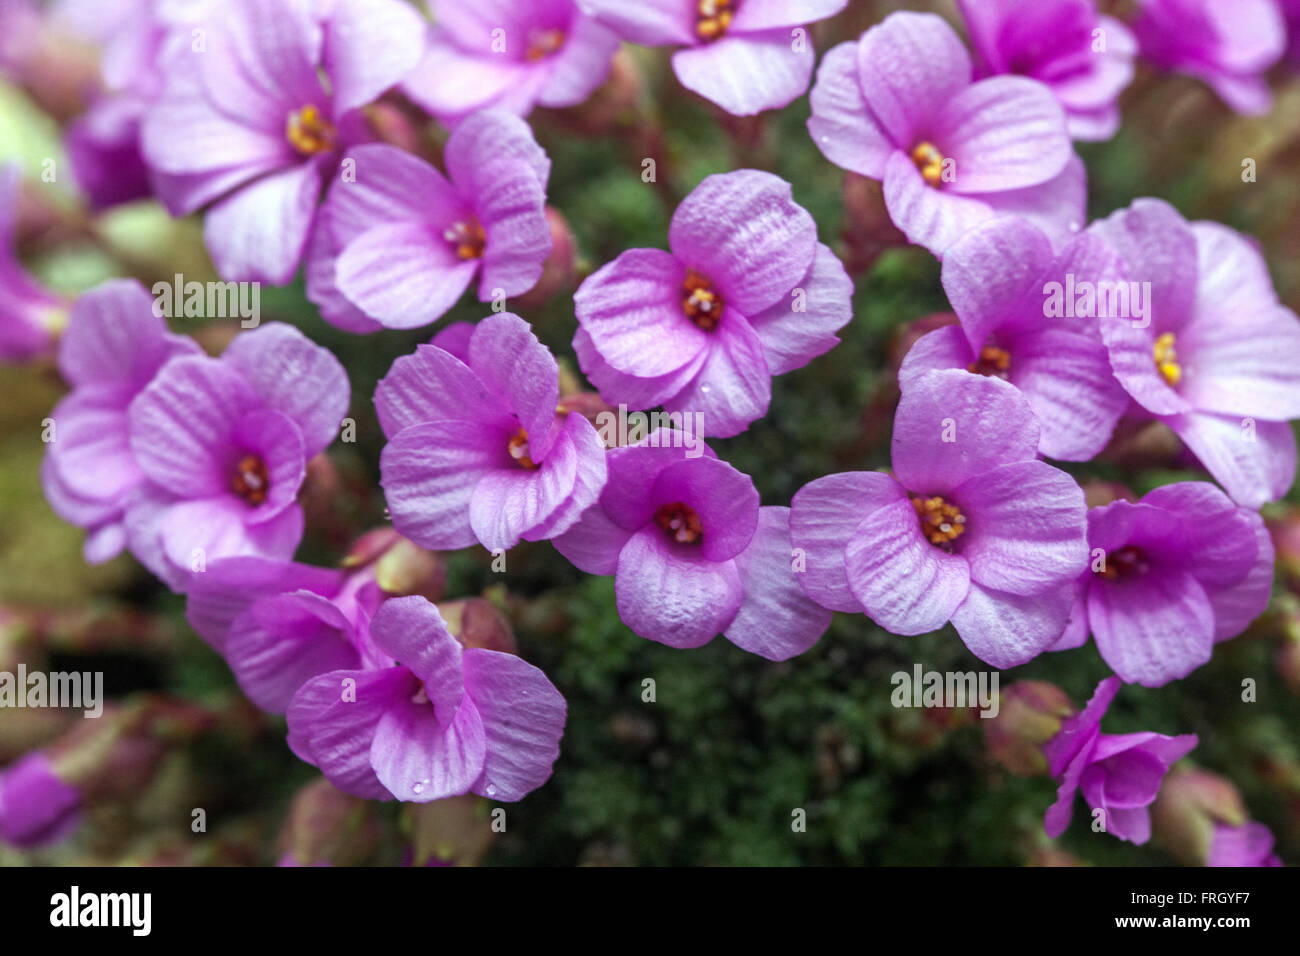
[929,161]
[941,523]
[309,132]
[519,450]
[544,43]
[1123,563]
[250,480]
[1166,357]
[713,17]
[992,361]
[467,238]
[681,522]
[701,303]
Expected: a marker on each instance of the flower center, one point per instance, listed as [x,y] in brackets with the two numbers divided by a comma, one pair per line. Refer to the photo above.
[712,17]
[519,450]
[250,480]
[309,132]
[542,43]
[941,522]
[1166,357]
[700,301]
[1124,563]
[929,161]
[992,361]
[681,522]
[467,238]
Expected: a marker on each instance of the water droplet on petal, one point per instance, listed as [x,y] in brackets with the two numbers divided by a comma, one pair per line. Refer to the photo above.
[418,786]
[491,789]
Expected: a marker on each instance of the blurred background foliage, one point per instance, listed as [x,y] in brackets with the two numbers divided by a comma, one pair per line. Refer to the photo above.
[711,771]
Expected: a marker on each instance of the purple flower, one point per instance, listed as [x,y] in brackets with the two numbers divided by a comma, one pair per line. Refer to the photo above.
[135,38]
[29,314]
[279,624]
[1213,357]
[476,450]
[1250,844]
[400,243]
[256,113]
[1170,576]
[1119,774]
[899,106]
[747,292]
[971,528]
[224,445]
[36,807]
[511,54]
[1227,45]
[692,552]
[744,55]
[113,347]
[1084,57]
[446,721]
[1000,278]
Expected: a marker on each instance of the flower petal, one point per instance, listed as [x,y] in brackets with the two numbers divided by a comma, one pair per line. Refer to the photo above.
[951,426]
[904,583]
[429,473]
[746,73]
[296,377]
[744,232]
[842,126]
[824,516]
[673,594]
[1154,629]
[776,619]
[523,720]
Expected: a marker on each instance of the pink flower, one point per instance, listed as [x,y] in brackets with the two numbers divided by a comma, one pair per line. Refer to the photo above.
[400,243]
[510,54]
[692,552]
[1119,775]
[998,278]
[1084,57]
[899,105]
[254,118]
[113,348]
[224,444]
[1230,46]
[971,528]
[744,55]
[1213,356]
[446,721]
[476,450]
[279,624]
[747,292]
[1171,575]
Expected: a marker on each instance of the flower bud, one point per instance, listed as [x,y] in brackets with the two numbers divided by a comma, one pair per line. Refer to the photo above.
[327,827]
[476,622]
[1029,715]
[456,831]
[1191,804]
[406,568]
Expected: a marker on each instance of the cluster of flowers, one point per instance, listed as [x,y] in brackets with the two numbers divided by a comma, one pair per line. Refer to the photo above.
[255,110]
